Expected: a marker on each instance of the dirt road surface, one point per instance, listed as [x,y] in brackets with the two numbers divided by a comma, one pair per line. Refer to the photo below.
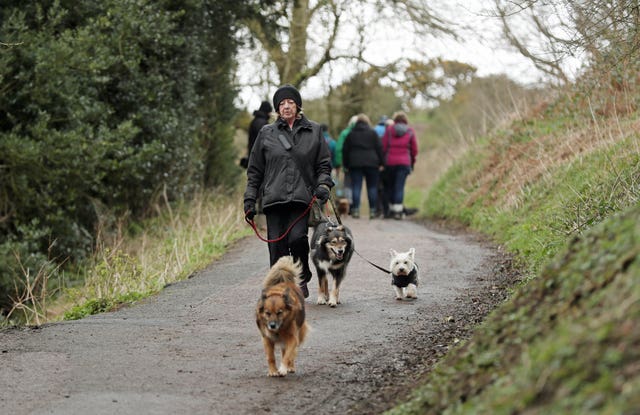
[195,348]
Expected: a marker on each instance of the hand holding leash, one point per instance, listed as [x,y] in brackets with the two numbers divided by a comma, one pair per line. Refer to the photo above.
[322,193]
[249,210]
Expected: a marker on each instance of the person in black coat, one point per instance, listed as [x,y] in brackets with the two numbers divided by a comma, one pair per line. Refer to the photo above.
[362,158]
[287,155]
[260,119]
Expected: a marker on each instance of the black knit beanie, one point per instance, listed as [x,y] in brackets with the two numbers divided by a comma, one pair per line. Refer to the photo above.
[286,92]
[265,107]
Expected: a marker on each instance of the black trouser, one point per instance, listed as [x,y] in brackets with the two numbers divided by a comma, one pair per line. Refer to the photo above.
[296,243]
[383,197]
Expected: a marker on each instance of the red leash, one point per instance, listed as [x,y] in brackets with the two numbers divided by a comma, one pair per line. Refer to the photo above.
[252,223]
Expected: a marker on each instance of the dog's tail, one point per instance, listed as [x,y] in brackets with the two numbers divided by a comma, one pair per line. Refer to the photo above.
[285,270]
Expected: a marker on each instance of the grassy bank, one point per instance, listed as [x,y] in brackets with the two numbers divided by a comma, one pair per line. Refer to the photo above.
[178,242]
[560,190]
[134,261]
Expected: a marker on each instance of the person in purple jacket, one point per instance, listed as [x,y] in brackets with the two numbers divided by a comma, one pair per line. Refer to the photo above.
[400,149]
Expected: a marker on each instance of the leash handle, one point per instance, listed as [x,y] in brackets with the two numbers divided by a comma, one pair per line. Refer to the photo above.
[252,223]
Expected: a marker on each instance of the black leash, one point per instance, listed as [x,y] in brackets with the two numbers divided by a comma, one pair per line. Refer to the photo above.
[335,212]
[386,271]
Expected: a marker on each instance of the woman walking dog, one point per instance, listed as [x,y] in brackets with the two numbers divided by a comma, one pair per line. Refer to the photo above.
[289,164]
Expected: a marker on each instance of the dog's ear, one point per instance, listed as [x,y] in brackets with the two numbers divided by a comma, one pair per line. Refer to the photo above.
[286,297]
[348,238]
[392,252]
[412,253]
[260,305]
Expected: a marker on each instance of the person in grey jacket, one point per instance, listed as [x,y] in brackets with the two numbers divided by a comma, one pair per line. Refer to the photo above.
[282,149]
[362,158]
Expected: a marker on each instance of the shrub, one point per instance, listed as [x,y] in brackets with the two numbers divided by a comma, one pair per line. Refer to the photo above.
[103,107]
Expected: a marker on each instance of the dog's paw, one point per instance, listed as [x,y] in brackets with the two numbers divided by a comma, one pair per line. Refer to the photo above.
[276,374]
[283,370]
[398,298]
[412,292]
[321,300]
[333,300]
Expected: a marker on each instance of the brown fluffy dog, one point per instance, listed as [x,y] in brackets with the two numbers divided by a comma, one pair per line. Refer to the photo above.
[280,315]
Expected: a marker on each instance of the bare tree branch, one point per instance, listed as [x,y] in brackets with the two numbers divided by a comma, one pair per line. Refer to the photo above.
[552,66]
[283,29]
[597,29]
[326,55]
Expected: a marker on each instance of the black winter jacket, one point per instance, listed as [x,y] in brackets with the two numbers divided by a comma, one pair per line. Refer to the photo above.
[272,172]
[260,119]
[362,147]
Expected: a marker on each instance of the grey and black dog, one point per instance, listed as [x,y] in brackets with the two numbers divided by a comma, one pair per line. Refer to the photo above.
[331,250]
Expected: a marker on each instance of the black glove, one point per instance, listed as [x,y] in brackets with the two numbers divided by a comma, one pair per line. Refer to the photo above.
[322,193]
[249,209]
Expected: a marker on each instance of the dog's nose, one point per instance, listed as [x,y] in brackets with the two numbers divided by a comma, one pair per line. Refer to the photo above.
[273,325]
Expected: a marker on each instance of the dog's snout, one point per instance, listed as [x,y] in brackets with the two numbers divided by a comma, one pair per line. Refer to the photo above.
[273,325]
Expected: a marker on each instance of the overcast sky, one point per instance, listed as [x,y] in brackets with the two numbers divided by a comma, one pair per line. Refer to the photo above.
[482,46]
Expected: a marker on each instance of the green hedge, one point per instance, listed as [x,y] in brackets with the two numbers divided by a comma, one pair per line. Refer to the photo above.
[104,106]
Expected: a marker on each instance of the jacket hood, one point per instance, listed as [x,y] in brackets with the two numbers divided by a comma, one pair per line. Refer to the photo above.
[361,125]
[400,129]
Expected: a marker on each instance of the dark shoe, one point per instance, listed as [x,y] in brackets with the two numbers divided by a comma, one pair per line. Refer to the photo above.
[410,211]
[304,289]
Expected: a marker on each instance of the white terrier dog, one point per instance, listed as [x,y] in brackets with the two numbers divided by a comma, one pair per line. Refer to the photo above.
[404,273]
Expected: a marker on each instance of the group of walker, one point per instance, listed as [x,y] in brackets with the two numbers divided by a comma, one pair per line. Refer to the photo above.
[382,158]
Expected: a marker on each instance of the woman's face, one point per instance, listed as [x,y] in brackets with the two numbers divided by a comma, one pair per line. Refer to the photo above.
[288,110]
